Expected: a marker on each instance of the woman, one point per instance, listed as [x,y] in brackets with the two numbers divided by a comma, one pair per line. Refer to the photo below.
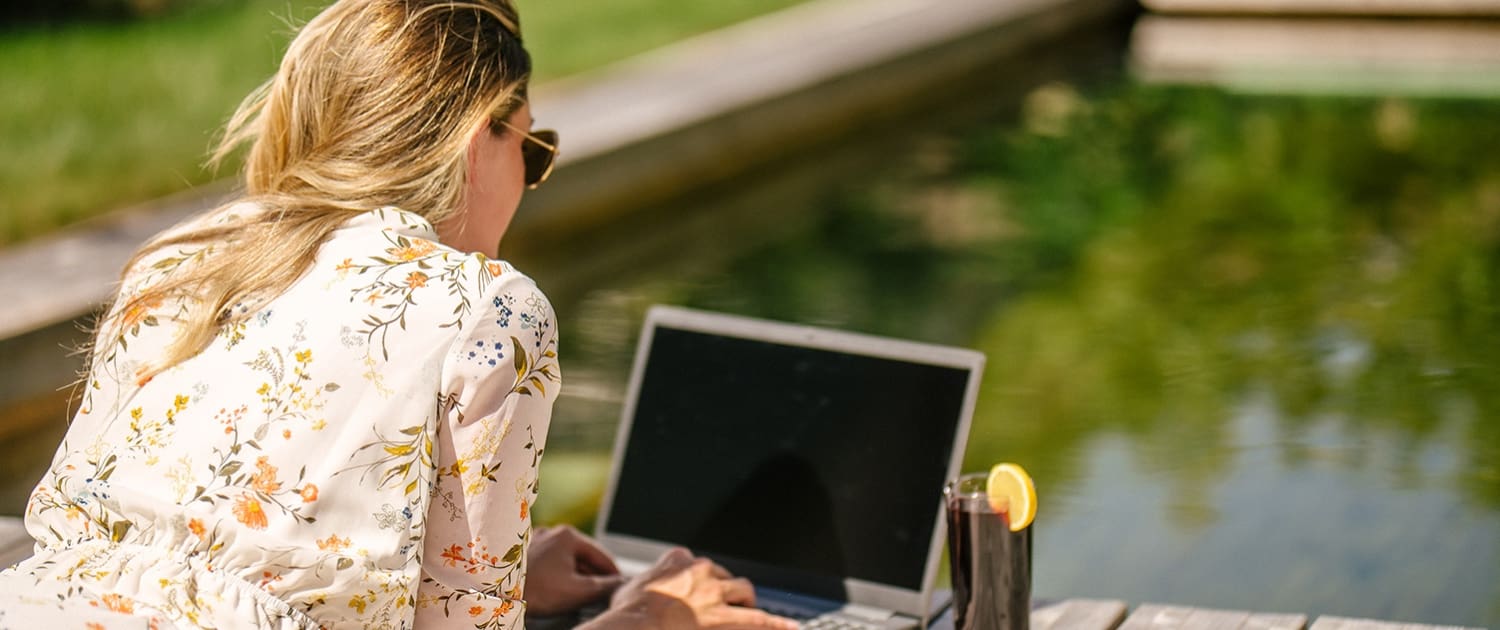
[323,406]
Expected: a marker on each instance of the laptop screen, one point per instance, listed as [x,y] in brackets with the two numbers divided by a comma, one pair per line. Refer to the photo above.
[797,465]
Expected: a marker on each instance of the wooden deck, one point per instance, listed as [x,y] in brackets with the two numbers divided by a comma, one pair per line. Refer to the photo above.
[1108,614]
[1069,614]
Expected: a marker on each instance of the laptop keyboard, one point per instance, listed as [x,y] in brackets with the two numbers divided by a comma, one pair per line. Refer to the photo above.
[828,622]
[823,621]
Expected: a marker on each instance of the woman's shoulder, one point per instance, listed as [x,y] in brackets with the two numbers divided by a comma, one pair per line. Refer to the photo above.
[390,264]
[158,262]
[389,240]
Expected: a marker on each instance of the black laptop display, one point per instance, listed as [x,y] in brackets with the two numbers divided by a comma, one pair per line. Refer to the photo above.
[811,461]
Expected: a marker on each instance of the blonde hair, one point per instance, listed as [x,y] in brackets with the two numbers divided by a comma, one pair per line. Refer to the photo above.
[372,106]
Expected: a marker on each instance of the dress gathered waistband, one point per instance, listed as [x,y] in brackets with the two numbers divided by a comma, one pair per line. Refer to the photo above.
[151,581]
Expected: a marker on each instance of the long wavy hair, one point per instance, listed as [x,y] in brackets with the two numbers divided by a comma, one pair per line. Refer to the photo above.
[373,106]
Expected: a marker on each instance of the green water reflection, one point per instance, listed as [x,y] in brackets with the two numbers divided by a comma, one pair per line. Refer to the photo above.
[1249,347]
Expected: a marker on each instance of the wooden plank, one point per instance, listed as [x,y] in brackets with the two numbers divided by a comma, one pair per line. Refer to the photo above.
[1068,614]
[15,543]
[1078,614]
[1329,622]
[1426,8]
[1320,55]
[1351,623]
[1156,616]
[1208,619]
[1164,617]
[1271,621]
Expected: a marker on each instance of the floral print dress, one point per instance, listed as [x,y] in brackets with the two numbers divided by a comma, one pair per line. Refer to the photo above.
[358,452]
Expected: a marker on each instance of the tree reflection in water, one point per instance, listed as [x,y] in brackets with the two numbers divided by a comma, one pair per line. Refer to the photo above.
[1153,265]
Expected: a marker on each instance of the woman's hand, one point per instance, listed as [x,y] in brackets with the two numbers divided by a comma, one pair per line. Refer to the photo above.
[684,593]
[565,570]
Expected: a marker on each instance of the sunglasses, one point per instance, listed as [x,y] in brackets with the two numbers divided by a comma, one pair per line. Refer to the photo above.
[538,153]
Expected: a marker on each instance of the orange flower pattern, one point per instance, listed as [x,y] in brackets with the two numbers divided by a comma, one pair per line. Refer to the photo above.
[140,313]
[248,511]
[333,543]
[116,603]
[330,449]
[265,476]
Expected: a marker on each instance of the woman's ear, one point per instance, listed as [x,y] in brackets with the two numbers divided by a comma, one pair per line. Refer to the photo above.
[475,136]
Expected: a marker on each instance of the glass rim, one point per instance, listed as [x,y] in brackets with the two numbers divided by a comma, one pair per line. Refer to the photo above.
[978,490]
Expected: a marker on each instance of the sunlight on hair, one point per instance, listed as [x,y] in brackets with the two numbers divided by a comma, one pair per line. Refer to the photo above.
[372,107]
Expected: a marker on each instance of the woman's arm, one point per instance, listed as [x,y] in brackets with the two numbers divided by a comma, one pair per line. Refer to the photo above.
[499,383]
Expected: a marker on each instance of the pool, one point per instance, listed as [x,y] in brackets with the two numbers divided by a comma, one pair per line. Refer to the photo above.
[1247,345]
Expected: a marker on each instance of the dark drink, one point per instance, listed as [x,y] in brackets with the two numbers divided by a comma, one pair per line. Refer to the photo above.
[990,565]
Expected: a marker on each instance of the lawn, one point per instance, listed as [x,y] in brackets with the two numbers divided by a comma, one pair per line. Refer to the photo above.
[96,116]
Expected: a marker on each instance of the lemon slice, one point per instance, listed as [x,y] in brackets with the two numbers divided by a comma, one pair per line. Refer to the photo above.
[1011,492]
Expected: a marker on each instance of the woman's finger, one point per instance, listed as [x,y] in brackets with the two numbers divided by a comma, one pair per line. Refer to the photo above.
[731,617]
[597,586]
[674,560]
[593,559]
[705,568]
[738,592]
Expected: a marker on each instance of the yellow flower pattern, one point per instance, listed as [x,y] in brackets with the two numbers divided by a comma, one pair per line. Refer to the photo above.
[358,452]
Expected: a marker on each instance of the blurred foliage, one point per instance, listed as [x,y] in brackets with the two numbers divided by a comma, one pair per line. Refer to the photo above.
[1148,261]
[96,115]
[61,11]
[1183,250]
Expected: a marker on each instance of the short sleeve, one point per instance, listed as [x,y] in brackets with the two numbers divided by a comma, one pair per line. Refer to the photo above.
[499,384]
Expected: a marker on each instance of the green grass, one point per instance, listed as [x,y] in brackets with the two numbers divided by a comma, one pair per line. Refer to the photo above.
[97,116]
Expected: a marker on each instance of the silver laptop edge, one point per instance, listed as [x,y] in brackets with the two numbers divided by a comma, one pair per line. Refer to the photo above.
[917,604]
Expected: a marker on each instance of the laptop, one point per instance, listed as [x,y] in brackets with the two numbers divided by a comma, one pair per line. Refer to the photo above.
[810,461]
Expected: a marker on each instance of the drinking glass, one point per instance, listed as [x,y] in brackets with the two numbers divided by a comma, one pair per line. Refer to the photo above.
[990,565]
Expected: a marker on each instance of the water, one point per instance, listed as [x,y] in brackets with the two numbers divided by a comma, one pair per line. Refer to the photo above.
[1248,346]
